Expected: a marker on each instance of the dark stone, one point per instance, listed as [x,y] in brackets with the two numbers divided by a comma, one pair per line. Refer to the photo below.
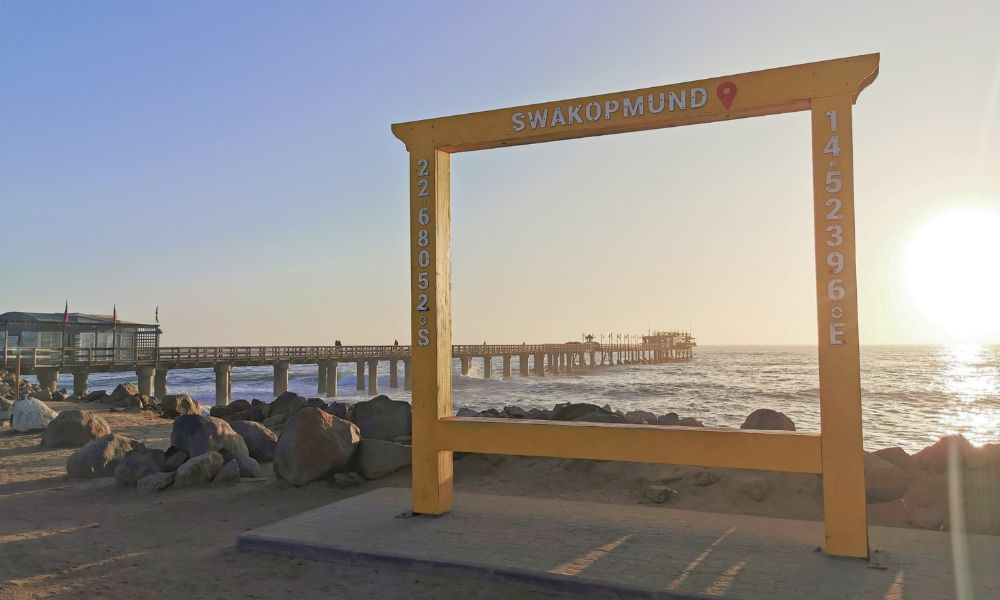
[466,412]
[539,414]
[515,412]
[260,440]
[123,392]
[95,396]
[897,456]
[74,428]
[198,469]
[254,413]
[379,458]
[767,419]
[884,481]
[288,403]
[492,413]
[179,404]
[583,411]
[338,409]
[100,457]
[668,419]
[313,445]
[382,418]
[137,464]
[155,482]
[690,422]
[228,474]
[316,403]
[934,458]
[196,435]
[175,457]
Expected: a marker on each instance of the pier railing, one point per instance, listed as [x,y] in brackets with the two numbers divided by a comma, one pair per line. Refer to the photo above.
[195,356]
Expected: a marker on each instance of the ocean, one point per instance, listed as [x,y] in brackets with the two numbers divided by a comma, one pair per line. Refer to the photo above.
[911,395]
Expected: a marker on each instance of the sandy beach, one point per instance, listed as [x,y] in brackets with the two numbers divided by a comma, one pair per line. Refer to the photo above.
[93,539]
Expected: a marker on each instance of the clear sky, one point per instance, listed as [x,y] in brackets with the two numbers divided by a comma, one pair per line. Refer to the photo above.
[232,163]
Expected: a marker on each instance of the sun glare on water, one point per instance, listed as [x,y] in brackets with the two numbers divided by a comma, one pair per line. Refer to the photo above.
[952,269]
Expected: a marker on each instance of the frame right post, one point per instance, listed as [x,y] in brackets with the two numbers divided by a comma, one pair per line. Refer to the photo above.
[837,311]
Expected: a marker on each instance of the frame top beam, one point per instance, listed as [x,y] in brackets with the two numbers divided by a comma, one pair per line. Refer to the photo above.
[773,91]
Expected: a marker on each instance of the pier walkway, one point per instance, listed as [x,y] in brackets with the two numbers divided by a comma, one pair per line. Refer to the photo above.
[151,365]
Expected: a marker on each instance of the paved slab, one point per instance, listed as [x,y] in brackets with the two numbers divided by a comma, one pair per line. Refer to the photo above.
[628,551]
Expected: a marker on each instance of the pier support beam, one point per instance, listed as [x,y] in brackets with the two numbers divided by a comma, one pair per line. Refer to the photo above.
[80,382]
[407,381]
[331,377]
[361,375]
[393,373]
[145,376]
[160,383]
[522,364]
[464,360]
[280,378]
[506,366]
[540,364]
[47,378]
[569,358]
[487,367]
[373,376]
[554,363]
[223,384]
[321,378]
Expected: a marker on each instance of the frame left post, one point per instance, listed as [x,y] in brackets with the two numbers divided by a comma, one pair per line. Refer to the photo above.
[430,292]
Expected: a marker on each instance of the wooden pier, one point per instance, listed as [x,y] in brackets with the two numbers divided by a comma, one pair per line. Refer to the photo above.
[151,365]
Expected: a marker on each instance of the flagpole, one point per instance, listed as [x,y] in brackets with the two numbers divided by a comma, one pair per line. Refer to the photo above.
[17,374]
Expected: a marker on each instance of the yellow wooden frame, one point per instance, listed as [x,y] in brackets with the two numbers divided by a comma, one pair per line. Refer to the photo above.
[828,89]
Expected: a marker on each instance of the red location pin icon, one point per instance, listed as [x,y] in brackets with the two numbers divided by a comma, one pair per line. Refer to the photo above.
[726,92]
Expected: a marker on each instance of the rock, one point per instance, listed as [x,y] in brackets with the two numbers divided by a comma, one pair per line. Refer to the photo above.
[41,394]
[466,412]
[313,445]
[582,411]
[229,473]
[275,420]
[345,480]
[174,405]
[265,408]
[155,482]
[690,422]
[765,418]
[124,391]
[754,488]
[218,411]
[378,458]
[897,456]
[895,513]
[316,403]
[640,417]
[934,458]
[198,469]
[660,494]
[100,457]
[382,418]
[601,417]
[260,440]
[95,396]
[884,481]
[175,457]
[137,464]
[74,428]
[288,403]
[6,409]
[703,478]
[515,412]
[492,413]
[254,413]
[59,396]
[539,414]
[197,434]
[668,419]
[247,466]
[572,411]
[338,409]
[31,414]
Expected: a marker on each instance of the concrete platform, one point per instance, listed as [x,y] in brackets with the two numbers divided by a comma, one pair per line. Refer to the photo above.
[627,551]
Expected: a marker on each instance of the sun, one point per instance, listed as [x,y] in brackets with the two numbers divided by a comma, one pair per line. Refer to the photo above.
[952,269]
